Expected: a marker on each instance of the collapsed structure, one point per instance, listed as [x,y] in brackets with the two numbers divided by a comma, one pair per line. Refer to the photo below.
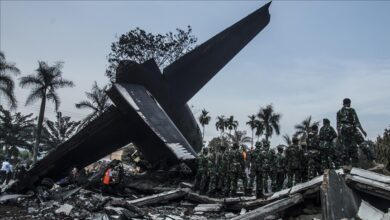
[150,108]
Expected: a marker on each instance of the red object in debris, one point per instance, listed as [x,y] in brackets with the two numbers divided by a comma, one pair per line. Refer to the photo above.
[107,177]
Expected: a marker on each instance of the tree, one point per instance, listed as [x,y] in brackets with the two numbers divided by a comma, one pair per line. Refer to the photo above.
[44,86]
[239,137]
[17,131]
[269,121]
[287,139]
[139,46]
[59,131]
[220,125]
[382,147]
[204,119]
[98,102]
[252,123]
[6,82]
[303,129]
[231,124]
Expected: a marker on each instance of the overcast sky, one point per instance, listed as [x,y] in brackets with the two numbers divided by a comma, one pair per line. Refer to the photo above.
[309,57]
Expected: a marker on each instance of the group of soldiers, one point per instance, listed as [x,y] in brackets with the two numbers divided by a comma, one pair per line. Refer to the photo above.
[220,168]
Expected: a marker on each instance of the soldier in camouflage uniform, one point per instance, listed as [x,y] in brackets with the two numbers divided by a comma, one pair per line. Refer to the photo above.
[294,156]
[326,137]
[222,169]
[280,162]
[304,162]
[236,169]
[214,170]
[202,173]
[259,172]
[314,167]
[268,165]
[347,127]
[252,158]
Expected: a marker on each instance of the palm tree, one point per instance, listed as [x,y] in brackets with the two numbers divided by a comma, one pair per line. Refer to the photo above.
[269,121]
[98,102]
[17,131]
[287,139]
[239,137]
[6,82]
[204,119]
[231,124]
[252,123]
[59,131]
[44,85]
[303,129]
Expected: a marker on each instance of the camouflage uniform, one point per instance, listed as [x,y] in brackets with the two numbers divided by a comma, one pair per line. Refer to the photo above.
[213,167]
[236,170]
[201,177]
[350,137]
[259,172]
[294,156]
[313,154]
[327,135]
[268,166]
[222,170]
[252,158]
[313,164]
[304,162]
[280,162]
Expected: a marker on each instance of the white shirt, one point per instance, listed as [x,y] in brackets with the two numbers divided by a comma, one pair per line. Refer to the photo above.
[6,166]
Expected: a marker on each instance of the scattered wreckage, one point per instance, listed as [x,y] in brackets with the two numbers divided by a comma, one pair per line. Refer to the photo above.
[356,194]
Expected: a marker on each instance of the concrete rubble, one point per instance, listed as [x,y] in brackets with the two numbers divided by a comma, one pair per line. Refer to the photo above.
[156,195]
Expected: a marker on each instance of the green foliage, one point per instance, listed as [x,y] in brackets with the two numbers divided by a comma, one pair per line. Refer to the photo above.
[231,124]
[17,131]
[220,125]
[204,119]
[56,132]
[382,147]
[44,85]
[97,101]
[239,137]
[303,129]
[6,82]
[268,122]
[139,46]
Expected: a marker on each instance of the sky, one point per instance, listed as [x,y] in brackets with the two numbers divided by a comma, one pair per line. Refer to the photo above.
[305,62]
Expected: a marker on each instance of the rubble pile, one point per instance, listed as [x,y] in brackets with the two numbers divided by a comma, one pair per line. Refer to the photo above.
[359,193]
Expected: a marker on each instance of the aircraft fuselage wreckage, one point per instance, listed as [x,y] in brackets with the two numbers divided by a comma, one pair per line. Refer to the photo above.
[150,108]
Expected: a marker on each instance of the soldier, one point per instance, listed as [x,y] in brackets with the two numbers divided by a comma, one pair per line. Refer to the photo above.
[313,163]
[326,137]
[222,169]
[252,158]
[304,161]
[294,156]
[268,165]
[236,169]
[313,153]
[259,172]
[213,169]
[347,128]
[312,137]
[201,175]
[281,163]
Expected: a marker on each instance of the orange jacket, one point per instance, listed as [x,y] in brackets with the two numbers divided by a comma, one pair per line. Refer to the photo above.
[107,177]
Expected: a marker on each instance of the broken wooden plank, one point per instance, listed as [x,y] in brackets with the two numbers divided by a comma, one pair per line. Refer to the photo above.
[272,208]
[370,175]
[4,198]
[369,212]
[337,200]
[369,186]
[208,208]
[161,197]
[316,182]
[195,197]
